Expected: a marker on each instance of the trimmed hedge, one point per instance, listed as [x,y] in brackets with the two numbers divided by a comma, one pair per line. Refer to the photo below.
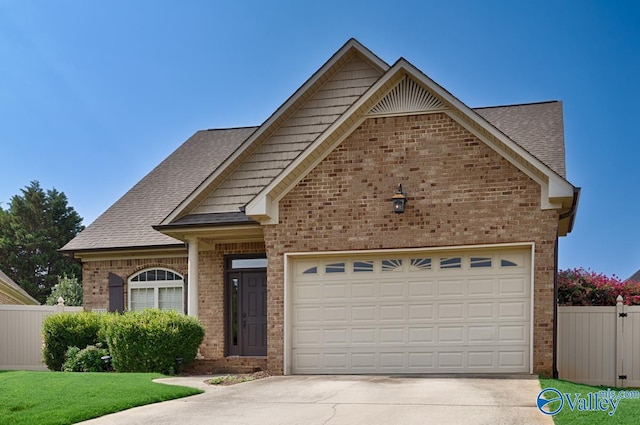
[86,360]
[147,341]
[63,330]
[152,340]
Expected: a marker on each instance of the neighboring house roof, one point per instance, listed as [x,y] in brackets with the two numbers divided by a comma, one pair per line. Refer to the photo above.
[14,291]
[200,170]
[634,277]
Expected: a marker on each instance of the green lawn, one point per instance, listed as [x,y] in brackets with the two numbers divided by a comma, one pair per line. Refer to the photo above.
[627,411]
[66,398]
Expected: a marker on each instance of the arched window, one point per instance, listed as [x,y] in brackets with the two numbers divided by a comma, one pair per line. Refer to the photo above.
[156,288]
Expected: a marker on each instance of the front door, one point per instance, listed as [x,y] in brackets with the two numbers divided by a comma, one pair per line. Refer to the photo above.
[246,309]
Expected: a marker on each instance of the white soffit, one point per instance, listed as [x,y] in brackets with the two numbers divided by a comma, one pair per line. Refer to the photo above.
[415,93]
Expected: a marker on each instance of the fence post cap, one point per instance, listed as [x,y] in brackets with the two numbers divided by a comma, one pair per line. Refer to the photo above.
[619,300]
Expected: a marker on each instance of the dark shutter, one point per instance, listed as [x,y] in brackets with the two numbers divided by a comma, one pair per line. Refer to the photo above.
[116,293]
[185,294]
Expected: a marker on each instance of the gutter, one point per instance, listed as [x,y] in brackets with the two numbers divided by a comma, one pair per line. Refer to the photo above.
[571,213]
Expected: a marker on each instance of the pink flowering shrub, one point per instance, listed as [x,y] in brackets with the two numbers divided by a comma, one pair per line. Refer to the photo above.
[586,287]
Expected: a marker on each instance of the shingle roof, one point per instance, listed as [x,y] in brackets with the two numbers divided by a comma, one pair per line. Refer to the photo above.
[7,281]
[634,277]
[537,127]
[127,223]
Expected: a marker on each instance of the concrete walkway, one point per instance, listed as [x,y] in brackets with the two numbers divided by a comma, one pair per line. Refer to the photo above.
[338,400]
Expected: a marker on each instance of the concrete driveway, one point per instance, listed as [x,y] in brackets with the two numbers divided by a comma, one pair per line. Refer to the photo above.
[337,400]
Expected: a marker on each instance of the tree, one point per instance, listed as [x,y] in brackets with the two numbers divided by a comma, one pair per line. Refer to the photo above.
[32,229]
[69,289]
[586,287]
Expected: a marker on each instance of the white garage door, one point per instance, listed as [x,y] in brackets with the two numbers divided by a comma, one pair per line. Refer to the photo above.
[419,312]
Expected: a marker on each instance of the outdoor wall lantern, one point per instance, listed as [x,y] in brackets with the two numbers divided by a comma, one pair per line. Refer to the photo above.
[399,200]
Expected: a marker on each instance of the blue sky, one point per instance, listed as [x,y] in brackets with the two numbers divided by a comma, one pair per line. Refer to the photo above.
[94,94]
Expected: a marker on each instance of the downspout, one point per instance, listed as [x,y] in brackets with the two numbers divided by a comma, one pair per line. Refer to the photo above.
[570,214]
[555,312]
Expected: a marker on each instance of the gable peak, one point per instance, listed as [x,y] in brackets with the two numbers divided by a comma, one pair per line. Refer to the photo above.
[407,97]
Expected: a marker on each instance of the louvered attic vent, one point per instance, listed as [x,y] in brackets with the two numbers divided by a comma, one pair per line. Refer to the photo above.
[407,97]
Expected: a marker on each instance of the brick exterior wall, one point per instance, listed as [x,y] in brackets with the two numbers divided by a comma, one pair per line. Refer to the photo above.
[95,276]
[460,192]
[211,307]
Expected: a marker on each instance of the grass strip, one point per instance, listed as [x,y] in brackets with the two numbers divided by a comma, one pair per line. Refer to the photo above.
[627,411]
[60,398]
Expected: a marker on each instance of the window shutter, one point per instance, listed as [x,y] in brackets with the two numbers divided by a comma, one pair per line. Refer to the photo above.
[116,293]
[185,298]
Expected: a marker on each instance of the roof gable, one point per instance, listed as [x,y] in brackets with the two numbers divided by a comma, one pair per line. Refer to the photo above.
[127,223]
[268,129]
[14,291]
[406,90]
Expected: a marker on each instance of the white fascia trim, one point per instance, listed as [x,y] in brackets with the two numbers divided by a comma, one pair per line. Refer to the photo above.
[257,207]
[560,188]
[351,44]
[532,272]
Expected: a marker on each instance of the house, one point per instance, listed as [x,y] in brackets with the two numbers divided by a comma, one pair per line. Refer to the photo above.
[12,293]
[634,277]
[373,224]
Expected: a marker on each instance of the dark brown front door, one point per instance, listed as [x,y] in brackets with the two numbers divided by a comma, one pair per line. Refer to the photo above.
[253,313]
[246,311]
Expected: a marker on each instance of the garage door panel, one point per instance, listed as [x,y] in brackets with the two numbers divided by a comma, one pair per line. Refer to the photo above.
[451,288]
[308,291]
[513,333]
[392,290]
[481,310]
[392,336]
[513,309]
[391,313]
[481,359]
[311,314]
[421,335]
[420,312]
[451,311]
[412,314]
[482,334]
[421,289]
[514,286]
[364,336]
[363,313]
[481,287]
[336,292]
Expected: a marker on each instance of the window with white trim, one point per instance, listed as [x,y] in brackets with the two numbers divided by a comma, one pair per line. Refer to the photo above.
[156,288]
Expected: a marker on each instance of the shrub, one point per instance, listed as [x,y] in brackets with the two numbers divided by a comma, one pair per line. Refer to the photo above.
[152,340]
[63,330]
[588,288]
[88,359]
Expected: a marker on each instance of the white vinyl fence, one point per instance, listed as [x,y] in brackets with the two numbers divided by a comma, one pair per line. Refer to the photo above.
[21,335]
[600,345]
